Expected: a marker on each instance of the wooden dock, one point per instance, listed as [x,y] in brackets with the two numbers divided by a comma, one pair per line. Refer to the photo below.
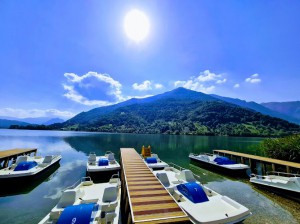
[264,160]
[7,155]
[145,199]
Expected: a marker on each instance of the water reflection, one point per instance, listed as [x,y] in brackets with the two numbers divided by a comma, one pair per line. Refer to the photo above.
[74,147]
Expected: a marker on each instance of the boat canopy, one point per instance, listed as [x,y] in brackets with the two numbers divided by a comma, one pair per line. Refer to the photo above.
[103,162]
[151,160]
[193,191]
[26,165]
[221,160]
[82,214]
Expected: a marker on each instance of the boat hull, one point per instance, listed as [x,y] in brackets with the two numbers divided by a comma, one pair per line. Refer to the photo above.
[279,191]
[15,182]
[220,169]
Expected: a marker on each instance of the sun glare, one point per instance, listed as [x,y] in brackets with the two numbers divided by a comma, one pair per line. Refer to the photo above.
[136,25]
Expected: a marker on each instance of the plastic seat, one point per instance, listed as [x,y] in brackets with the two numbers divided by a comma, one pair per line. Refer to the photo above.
[48,159]
[163,179]
[109,199]
[186,175]
[92,159]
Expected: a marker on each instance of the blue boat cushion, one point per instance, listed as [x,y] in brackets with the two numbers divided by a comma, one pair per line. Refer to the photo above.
[193,191]
[103,162]
[83,214]
[151,160]
[221,160]
[26,165]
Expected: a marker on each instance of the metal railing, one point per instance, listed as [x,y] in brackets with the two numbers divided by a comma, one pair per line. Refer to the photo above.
[282,174]
[182,168]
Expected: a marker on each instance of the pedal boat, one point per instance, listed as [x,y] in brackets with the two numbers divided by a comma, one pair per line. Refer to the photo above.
[220,162]
[202,204]
[286,184]
[28,167]
[102,163]
[88,203]
[151,159]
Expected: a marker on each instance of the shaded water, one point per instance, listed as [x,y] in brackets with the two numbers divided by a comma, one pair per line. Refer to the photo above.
[31,203]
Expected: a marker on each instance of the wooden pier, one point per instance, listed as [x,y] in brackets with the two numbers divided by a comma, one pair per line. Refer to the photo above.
[252,159]
[145,200]
[7,155]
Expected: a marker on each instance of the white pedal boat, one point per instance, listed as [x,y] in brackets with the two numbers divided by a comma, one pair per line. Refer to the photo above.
[154,162]
[88,203]
[216,161]
[27,167]
[202,204]
[286,184]
[102,163]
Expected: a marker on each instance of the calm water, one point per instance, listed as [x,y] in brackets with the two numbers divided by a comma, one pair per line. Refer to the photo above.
[31,204]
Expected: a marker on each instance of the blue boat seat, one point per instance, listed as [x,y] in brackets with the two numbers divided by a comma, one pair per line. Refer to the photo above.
[103,162]
[221,160]
[83,214]
[193,191]
[25,165]
[151,160]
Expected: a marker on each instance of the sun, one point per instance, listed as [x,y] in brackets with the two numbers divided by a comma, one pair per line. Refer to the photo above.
[137,25]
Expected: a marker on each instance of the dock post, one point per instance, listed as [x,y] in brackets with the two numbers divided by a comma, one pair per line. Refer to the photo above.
[6,163]
[273,167]
[288,169]
[242,160]
[250,163]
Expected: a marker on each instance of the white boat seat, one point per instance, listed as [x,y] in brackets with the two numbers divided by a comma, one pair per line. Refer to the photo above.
[109,199]
[163,179]
[22,159]
[69,197]
[48,159]
[92,159]
[111,157]
[186,175]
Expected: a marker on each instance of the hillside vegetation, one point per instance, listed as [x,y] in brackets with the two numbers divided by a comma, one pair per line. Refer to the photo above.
[286,148]
[180,111]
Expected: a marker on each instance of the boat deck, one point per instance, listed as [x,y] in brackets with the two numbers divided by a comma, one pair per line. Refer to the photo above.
[148,200]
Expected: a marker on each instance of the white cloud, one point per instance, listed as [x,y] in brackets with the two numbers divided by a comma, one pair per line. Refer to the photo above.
[83,82]
[146,85]
[203,83]
[221,81]
[22,113]
[158,86]
[236,86]
[253,79]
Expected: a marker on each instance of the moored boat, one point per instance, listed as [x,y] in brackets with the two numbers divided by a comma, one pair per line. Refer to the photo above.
[285,184]
[28,167]
[202,204]
[88,203]
[220,163]
[101,164]
[151,159]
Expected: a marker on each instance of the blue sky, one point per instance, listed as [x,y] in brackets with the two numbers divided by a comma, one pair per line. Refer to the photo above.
[58,58]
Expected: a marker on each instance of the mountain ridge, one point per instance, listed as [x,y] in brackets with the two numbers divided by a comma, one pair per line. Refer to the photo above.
[179,111]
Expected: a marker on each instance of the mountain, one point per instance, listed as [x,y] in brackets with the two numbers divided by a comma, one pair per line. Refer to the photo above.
[291,109]
[263,108]
[7,123]
[35,120]
[180,111]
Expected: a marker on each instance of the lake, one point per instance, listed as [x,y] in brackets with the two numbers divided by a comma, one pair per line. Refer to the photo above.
[31,203]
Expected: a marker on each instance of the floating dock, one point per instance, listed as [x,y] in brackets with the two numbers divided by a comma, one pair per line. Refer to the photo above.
[263,160]
[7,155]
[145,199]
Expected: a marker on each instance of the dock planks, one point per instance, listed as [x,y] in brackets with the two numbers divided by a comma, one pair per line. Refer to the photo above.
[15,152]
[149,201]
